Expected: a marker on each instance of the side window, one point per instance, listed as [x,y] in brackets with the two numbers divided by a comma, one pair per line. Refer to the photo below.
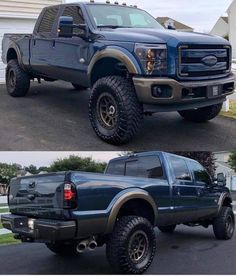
[131,168]
[180,168]
[147,167]
[47,21]
[200,174]
[116,168]
[76,13]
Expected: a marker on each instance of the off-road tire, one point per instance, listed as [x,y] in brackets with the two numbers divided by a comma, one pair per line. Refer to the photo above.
[128,110]
[167,229]
[221,229]
[201,115]
[63,249]
[18,87]
[118,245]
[78,87]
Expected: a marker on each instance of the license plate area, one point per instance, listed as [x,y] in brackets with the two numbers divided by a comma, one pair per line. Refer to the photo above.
[214,91]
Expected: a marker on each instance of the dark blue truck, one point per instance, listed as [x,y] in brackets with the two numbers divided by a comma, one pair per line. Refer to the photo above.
[72,211]
[134,66]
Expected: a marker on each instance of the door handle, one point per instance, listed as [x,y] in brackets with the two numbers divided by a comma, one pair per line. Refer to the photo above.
[34,42]
[53,43]
[199,193]
[178,192]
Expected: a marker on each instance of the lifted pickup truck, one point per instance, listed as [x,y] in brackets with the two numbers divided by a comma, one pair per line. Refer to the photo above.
[72,211]
[133,65]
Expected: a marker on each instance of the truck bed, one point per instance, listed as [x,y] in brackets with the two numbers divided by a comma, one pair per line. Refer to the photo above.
[22,41]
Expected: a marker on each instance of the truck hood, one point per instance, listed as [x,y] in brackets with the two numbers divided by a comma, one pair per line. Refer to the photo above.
[138,35]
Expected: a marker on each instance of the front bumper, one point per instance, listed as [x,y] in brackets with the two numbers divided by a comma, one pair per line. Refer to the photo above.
[183,94]
[39,229]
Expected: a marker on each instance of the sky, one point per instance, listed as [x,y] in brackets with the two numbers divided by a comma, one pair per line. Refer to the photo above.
[199,14]
[40,159]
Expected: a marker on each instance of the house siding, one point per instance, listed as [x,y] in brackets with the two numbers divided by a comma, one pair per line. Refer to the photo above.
[24,8]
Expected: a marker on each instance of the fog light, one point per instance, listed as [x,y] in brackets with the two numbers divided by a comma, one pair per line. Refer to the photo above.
[31,224]
[162,91]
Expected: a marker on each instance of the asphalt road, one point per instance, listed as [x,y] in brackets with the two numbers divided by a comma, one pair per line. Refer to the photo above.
[55,117]
[187,251]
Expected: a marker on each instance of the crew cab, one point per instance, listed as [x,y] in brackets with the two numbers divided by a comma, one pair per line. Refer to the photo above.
[134,66]
[74,211]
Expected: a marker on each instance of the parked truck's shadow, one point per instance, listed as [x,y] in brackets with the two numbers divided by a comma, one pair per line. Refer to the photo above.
[54,116]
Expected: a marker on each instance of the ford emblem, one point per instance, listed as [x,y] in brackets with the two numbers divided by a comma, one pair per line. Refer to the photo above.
[209,60]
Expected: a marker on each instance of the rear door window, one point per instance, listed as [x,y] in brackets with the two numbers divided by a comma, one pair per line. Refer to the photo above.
[47,21]
[116,168]
[146,166]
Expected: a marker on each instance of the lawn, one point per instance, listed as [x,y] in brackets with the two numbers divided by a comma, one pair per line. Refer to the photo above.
[5,210]
[7,239]
[232,111]
[1,226]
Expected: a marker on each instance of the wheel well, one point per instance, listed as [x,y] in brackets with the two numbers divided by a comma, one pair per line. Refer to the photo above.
[137,207]
[11,54]
[107,67]
[227,202]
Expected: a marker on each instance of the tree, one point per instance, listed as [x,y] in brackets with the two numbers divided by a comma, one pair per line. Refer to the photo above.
[31,169]
[206,159]
[7,172]
[34,170]
[232,160]
[75,163]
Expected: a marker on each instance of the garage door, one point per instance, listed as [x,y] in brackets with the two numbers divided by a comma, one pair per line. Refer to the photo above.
[234,183]
[12,25]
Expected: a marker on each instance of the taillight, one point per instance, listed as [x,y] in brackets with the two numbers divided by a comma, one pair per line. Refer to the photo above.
[69,196]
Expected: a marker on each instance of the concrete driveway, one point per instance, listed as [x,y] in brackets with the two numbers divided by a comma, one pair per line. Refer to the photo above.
[54,117]
[188,251]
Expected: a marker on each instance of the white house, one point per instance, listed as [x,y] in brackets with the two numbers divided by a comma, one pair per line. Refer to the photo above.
[167,21]
[222,166]
[19,16]
[226,26]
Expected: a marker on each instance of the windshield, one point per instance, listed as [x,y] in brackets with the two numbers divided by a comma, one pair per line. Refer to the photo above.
[121,17]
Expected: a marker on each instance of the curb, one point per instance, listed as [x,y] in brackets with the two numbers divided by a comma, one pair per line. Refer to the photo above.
[4,232]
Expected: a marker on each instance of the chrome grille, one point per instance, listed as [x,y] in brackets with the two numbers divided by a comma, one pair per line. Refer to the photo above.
[204,61]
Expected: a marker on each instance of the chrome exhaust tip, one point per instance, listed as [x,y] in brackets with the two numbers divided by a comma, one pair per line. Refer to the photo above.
[81,247]
[92,245]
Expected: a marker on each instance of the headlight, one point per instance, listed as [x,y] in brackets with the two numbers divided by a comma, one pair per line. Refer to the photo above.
[152,57]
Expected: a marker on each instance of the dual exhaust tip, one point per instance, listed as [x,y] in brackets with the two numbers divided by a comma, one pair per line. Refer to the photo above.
[91,245]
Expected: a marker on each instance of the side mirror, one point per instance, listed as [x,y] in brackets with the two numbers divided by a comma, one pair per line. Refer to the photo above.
[221,180]
[65,26]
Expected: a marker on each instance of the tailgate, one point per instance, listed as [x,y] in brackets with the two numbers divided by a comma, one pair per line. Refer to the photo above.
[38,196]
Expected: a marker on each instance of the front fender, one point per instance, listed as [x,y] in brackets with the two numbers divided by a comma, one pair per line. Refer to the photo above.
[118,53]
[124,197]
[222,198]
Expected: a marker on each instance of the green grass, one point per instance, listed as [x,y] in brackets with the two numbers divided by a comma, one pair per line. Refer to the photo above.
[232,111]
[6,210]
[1,226]
[7,239]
